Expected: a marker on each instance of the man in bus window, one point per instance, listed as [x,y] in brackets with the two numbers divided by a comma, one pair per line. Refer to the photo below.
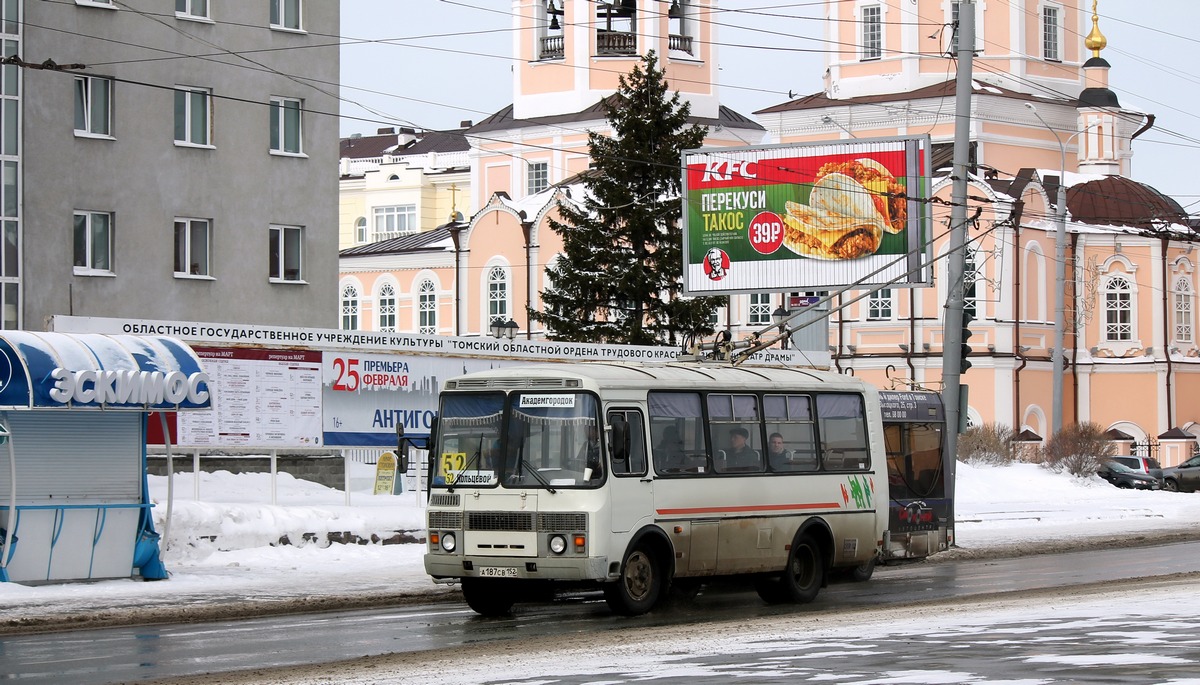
[777,454]
[740,455]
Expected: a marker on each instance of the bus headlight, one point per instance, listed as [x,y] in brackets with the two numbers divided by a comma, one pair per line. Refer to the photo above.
[558,544]
[448,542]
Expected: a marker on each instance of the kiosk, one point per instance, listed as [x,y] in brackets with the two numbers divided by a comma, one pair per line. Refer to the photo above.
[74,503]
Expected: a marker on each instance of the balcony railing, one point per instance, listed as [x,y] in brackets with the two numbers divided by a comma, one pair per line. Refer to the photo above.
[680,43]
[552,48]
[616,43]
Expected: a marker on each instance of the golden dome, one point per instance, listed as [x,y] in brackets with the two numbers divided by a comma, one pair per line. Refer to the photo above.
[1095,41]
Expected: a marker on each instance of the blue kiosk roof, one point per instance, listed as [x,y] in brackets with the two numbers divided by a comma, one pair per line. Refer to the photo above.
[92,371]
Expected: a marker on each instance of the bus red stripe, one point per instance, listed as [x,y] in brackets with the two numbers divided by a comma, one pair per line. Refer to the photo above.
[756,507]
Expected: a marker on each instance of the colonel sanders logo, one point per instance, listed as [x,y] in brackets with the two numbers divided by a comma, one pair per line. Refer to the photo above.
[716,264]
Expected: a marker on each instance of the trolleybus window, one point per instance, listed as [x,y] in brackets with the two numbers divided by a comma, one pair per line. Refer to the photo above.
[468,449]
[843,430]
[914,454]
[677,432]
[791,437]
[736,433]
[553,440]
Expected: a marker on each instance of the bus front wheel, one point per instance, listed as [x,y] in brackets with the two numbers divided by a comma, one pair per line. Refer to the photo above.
[640,584]
[487,597]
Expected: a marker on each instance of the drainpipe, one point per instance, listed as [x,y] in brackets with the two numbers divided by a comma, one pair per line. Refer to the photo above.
[1074,335]
[841,333]
[527,232]
[1166,301]
[455,232]
[1017,327]
[912,335]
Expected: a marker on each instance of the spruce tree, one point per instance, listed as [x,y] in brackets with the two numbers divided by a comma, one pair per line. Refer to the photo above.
[620,277]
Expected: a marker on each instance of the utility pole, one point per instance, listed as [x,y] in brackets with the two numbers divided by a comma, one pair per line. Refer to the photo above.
[952,322]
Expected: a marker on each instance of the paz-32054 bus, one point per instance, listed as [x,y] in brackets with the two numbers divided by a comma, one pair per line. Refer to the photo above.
[634,477]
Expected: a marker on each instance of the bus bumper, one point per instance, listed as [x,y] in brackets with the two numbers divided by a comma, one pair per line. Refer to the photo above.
[449,567]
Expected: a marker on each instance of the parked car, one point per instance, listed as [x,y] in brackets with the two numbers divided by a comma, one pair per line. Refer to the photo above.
[1146,465]
[1183,478]
[1122,476]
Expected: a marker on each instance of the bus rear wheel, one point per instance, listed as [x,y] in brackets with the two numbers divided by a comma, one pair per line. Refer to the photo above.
[640,584]
[488,597]
[800,580]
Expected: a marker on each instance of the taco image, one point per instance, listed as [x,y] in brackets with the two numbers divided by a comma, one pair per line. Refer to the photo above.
[815,231]
[876,188]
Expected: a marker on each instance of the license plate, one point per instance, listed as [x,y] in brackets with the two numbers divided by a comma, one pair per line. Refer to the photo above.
[498,571]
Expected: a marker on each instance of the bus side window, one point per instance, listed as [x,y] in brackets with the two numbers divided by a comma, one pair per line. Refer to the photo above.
[677,432]
[843,425]
[628,447]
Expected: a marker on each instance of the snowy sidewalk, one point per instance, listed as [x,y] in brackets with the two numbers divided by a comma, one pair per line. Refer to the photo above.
[225,559]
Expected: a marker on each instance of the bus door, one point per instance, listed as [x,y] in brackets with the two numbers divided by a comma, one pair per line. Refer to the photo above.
[631,490]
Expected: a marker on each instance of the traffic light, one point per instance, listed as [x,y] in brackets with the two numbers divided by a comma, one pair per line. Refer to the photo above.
[966,349]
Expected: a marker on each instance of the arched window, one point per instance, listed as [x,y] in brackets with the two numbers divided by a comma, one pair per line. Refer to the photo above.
[385,308]
[360,230]
[1118,309]
[1183,310]
[497,294]
[426,307]
[349,307]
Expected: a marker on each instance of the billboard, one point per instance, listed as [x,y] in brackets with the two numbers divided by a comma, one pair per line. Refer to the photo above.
[806,216]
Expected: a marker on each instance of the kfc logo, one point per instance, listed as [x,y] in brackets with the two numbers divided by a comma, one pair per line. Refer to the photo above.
[716,264]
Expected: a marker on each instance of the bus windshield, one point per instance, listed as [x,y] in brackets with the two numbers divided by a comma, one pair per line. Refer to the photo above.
[535,440]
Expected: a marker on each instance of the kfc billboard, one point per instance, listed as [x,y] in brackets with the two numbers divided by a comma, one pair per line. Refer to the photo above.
[806,216]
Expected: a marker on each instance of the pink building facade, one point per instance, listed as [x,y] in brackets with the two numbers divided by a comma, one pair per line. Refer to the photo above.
[1041,107]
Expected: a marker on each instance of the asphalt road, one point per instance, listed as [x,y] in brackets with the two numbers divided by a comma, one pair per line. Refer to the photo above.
[139,654]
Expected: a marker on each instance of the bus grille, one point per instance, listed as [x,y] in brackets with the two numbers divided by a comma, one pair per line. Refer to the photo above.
[445,520]
[499,520]
[443,500]
[562,521]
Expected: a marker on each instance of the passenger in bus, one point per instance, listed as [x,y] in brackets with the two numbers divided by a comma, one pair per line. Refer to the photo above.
[777,454]
[740,455]
[668,453]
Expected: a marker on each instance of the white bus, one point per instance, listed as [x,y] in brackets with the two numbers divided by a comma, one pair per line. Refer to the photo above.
[703,470]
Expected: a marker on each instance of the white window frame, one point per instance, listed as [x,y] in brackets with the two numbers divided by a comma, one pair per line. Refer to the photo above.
[395,215]
[351,307]
[189,114]
[286,243]
[881,305]
[1044,37]
[971,278]
[85,102]
[497,289]
[758,312]
[426,297]
[190,10]
[385,307]
[105,4]
[280,21]
[89,267]
[1121,303]
[1184,300]
[360,230]
[537,177]
[870,51]
[195,269]
[280,107]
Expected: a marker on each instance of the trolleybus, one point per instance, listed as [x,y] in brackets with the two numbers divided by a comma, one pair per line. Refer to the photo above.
[633,477]
[920,516]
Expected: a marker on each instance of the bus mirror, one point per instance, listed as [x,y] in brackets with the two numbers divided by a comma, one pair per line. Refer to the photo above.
[402,461]
[618,441]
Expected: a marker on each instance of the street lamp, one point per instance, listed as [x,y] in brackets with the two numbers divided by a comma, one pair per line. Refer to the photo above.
[1060,266]
[778,316]
[502,329]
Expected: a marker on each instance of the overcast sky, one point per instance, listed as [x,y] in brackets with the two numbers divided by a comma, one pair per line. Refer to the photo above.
[450,60]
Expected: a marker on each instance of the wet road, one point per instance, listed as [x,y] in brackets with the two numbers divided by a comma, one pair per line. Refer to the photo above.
[124,655]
